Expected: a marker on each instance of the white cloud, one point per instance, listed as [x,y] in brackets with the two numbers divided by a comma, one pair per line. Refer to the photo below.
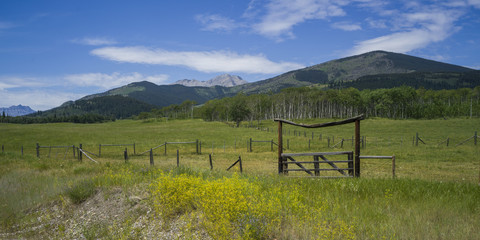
[213,61]
[474,3]
[415,30]
[346,26]
[96,41]
[282,15]
[214,22]
[108,81]
[7,82]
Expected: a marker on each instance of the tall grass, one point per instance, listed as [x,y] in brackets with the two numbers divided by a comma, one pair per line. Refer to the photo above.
[435,194]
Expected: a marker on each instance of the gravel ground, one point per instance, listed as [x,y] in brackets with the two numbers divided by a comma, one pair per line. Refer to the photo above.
[109,214]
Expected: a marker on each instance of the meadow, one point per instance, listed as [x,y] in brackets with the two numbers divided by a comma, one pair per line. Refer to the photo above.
[435,194]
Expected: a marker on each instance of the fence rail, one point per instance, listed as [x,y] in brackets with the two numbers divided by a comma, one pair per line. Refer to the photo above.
[316,163]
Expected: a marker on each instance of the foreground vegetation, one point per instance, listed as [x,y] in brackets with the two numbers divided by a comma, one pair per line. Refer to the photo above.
[435,194]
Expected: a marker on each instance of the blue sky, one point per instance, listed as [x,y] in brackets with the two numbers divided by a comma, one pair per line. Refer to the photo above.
[55,51]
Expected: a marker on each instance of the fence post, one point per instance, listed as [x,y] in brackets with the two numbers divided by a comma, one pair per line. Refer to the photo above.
[416,139]
[80,152]
[196,144]
[240,162]
[210,159]
[250,144]
[341,144]
[38,150]
[357,148]
[125,155]
[448,141]
[200,146]
[350,164]
[178,158]
[73,149]
[134,153]
[475,138]
[393,166]
[165,148]
[151,156]
[22,150]
[99,150]
[316,165]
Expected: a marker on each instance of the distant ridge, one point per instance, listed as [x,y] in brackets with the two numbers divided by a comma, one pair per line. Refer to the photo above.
[224,80]
[15,111]
[377,69]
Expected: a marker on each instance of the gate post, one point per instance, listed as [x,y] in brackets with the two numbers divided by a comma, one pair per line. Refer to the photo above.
[357,148]
[280,148]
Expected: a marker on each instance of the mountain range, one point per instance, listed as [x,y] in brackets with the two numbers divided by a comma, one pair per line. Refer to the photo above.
[14,111]
[224,80]
[378,69]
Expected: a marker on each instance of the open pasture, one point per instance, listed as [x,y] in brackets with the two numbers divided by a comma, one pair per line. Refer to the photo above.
[435,194]
[433,160]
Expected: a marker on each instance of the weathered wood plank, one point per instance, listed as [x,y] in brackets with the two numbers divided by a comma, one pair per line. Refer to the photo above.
[319,125]
[314,154]
[300,165]
[376,157]
[339,161]
[332,164]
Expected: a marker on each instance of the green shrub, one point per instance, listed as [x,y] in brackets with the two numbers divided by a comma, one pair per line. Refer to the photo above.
[81,191]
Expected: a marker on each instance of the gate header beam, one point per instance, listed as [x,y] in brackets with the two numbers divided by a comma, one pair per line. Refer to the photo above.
[319,125]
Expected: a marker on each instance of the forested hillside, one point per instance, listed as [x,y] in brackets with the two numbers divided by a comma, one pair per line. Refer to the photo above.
[98,109]
[301,103]
[428,80]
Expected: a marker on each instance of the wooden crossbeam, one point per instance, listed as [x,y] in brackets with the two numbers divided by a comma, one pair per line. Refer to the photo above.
[300,165]
[333,165]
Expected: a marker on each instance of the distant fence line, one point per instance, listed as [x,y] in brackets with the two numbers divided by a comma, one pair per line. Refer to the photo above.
[416,140]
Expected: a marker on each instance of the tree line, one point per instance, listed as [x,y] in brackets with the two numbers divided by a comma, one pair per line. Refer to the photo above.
[81,118]
[306,102]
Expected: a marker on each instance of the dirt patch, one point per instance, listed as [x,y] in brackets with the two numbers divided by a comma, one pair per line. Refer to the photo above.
[109,214]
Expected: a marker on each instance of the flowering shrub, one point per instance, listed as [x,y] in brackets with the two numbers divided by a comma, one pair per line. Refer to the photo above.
[239,208]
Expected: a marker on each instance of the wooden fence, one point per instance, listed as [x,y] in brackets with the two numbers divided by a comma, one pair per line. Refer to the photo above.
[197,143]
[316,163]
[114,145]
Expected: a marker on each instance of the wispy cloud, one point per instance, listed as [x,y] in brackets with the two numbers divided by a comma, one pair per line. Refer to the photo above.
[215,22]
[347,26]
[6,25]
[212,61]
[107,81]
[94,41]
[282,15]
[413,31]
[8,82]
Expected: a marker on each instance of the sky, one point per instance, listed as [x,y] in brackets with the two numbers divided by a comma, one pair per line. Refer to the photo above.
[56,51]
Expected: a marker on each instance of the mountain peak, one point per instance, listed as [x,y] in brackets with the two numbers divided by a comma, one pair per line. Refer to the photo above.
[224,80]
[19,110]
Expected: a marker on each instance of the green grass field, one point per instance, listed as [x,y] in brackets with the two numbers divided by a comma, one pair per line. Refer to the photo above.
[435,195]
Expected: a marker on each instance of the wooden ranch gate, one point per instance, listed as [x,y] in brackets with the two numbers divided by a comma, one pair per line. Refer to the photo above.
[283,158]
